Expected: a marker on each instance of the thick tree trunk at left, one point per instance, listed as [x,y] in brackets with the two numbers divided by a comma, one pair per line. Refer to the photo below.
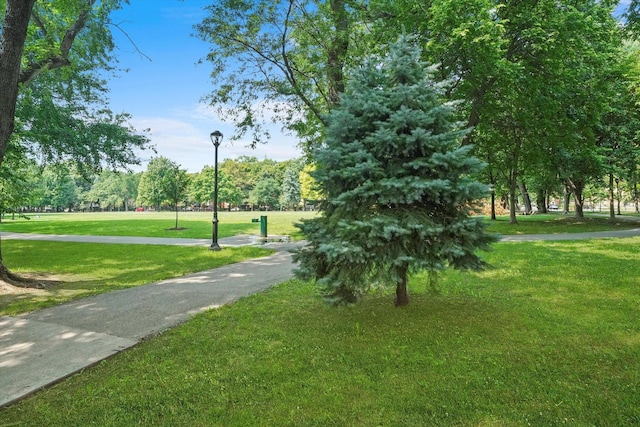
[12,40]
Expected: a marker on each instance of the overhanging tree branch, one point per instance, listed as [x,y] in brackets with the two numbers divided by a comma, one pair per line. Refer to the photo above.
[62,59]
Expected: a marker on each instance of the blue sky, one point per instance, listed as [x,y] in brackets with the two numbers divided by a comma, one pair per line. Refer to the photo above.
[164,93]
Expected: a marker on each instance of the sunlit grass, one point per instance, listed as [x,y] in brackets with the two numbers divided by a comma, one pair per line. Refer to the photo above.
[549,335]
[85,269]
[155,224]
[557,223]
[198,224]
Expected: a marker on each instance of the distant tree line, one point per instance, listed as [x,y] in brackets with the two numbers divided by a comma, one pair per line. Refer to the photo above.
[245,183]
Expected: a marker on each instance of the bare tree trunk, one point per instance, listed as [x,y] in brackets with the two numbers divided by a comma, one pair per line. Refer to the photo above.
[402,293]
[612,212]
[578,199]
[12,40]
[541,201]
[512,199]
[338,48]
[566,199]
[525,198]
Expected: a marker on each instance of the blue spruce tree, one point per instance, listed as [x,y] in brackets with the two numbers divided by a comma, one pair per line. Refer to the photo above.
[400,187]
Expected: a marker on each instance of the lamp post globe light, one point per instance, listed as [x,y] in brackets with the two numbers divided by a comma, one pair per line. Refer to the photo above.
[216,139]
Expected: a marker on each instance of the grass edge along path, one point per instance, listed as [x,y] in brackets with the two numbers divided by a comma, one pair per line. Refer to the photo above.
[88,268]
[549,335]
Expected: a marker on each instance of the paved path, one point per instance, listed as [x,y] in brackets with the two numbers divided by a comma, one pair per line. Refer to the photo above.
[40,348]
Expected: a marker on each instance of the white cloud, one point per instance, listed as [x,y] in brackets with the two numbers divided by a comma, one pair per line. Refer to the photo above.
[185,140]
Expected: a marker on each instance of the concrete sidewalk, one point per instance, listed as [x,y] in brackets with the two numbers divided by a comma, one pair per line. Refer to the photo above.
[40,348]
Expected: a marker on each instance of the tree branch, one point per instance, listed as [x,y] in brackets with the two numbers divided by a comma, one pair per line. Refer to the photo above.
[62,59]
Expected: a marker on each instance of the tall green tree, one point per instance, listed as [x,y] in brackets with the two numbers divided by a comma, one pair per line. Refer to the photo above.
[266,193]
[115,190]
[290,193]
[19,183]
[177,185]
[62,42]
[399,185]
[285,58]
[60,190]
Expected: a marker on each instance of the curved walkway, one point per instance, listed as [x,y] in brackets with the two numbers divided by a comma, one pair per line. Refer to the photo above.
[40,348]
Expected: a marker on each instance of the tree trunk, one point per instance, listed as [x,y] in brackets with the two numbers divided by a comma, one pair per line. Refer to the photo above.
[402,293]
[12,40]
[566,199]
[337,52]
[14,35]
[578,199]
[541,201]
[525,198]
[512,198]
[612,212]
[493,204]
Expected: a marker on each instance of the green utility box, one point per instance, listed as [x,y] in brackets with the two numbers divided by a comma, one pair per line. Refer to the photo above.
[263,226]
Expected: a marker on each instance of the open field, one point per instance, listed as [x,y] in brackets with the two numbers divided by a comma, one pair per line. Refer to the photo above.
[85,269]
[197,225]
[550,335]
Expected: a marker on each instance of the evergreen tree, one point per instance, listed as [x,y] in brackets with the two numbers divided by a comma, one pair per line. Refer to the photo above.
[399,185]
[290,194]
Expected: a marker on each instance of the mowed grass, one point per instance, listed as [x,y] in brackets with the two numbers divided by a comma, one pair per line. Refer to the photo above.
[85,269]
[195,225]
[548,336]
[556,223]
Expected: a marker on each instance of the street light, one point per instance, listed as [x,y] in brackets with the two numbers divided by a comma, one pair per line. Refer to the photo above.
[216,138]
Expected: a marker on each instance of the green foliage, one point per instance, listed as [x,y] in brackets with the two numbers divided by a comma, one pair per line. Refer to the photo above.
[114,190]
[19,184]
[290,193]
[399,186]
[265,193]
[289,60]
[162,183]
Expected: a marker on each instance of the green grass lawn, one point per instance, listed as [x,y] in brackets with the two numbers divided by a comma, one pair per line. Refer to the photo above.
[86,268]
[558,223]
[548,336]
[195,225]
[198,224]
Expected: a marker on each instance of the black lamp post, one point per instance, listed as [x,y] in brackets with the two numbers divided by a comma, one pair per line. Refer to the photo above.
[216,138]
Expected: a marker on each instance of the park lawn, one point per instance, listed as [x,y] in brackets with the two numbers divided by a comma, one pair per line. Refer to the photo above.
[555,223]
[86,268]
[549,335]
[195,225]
